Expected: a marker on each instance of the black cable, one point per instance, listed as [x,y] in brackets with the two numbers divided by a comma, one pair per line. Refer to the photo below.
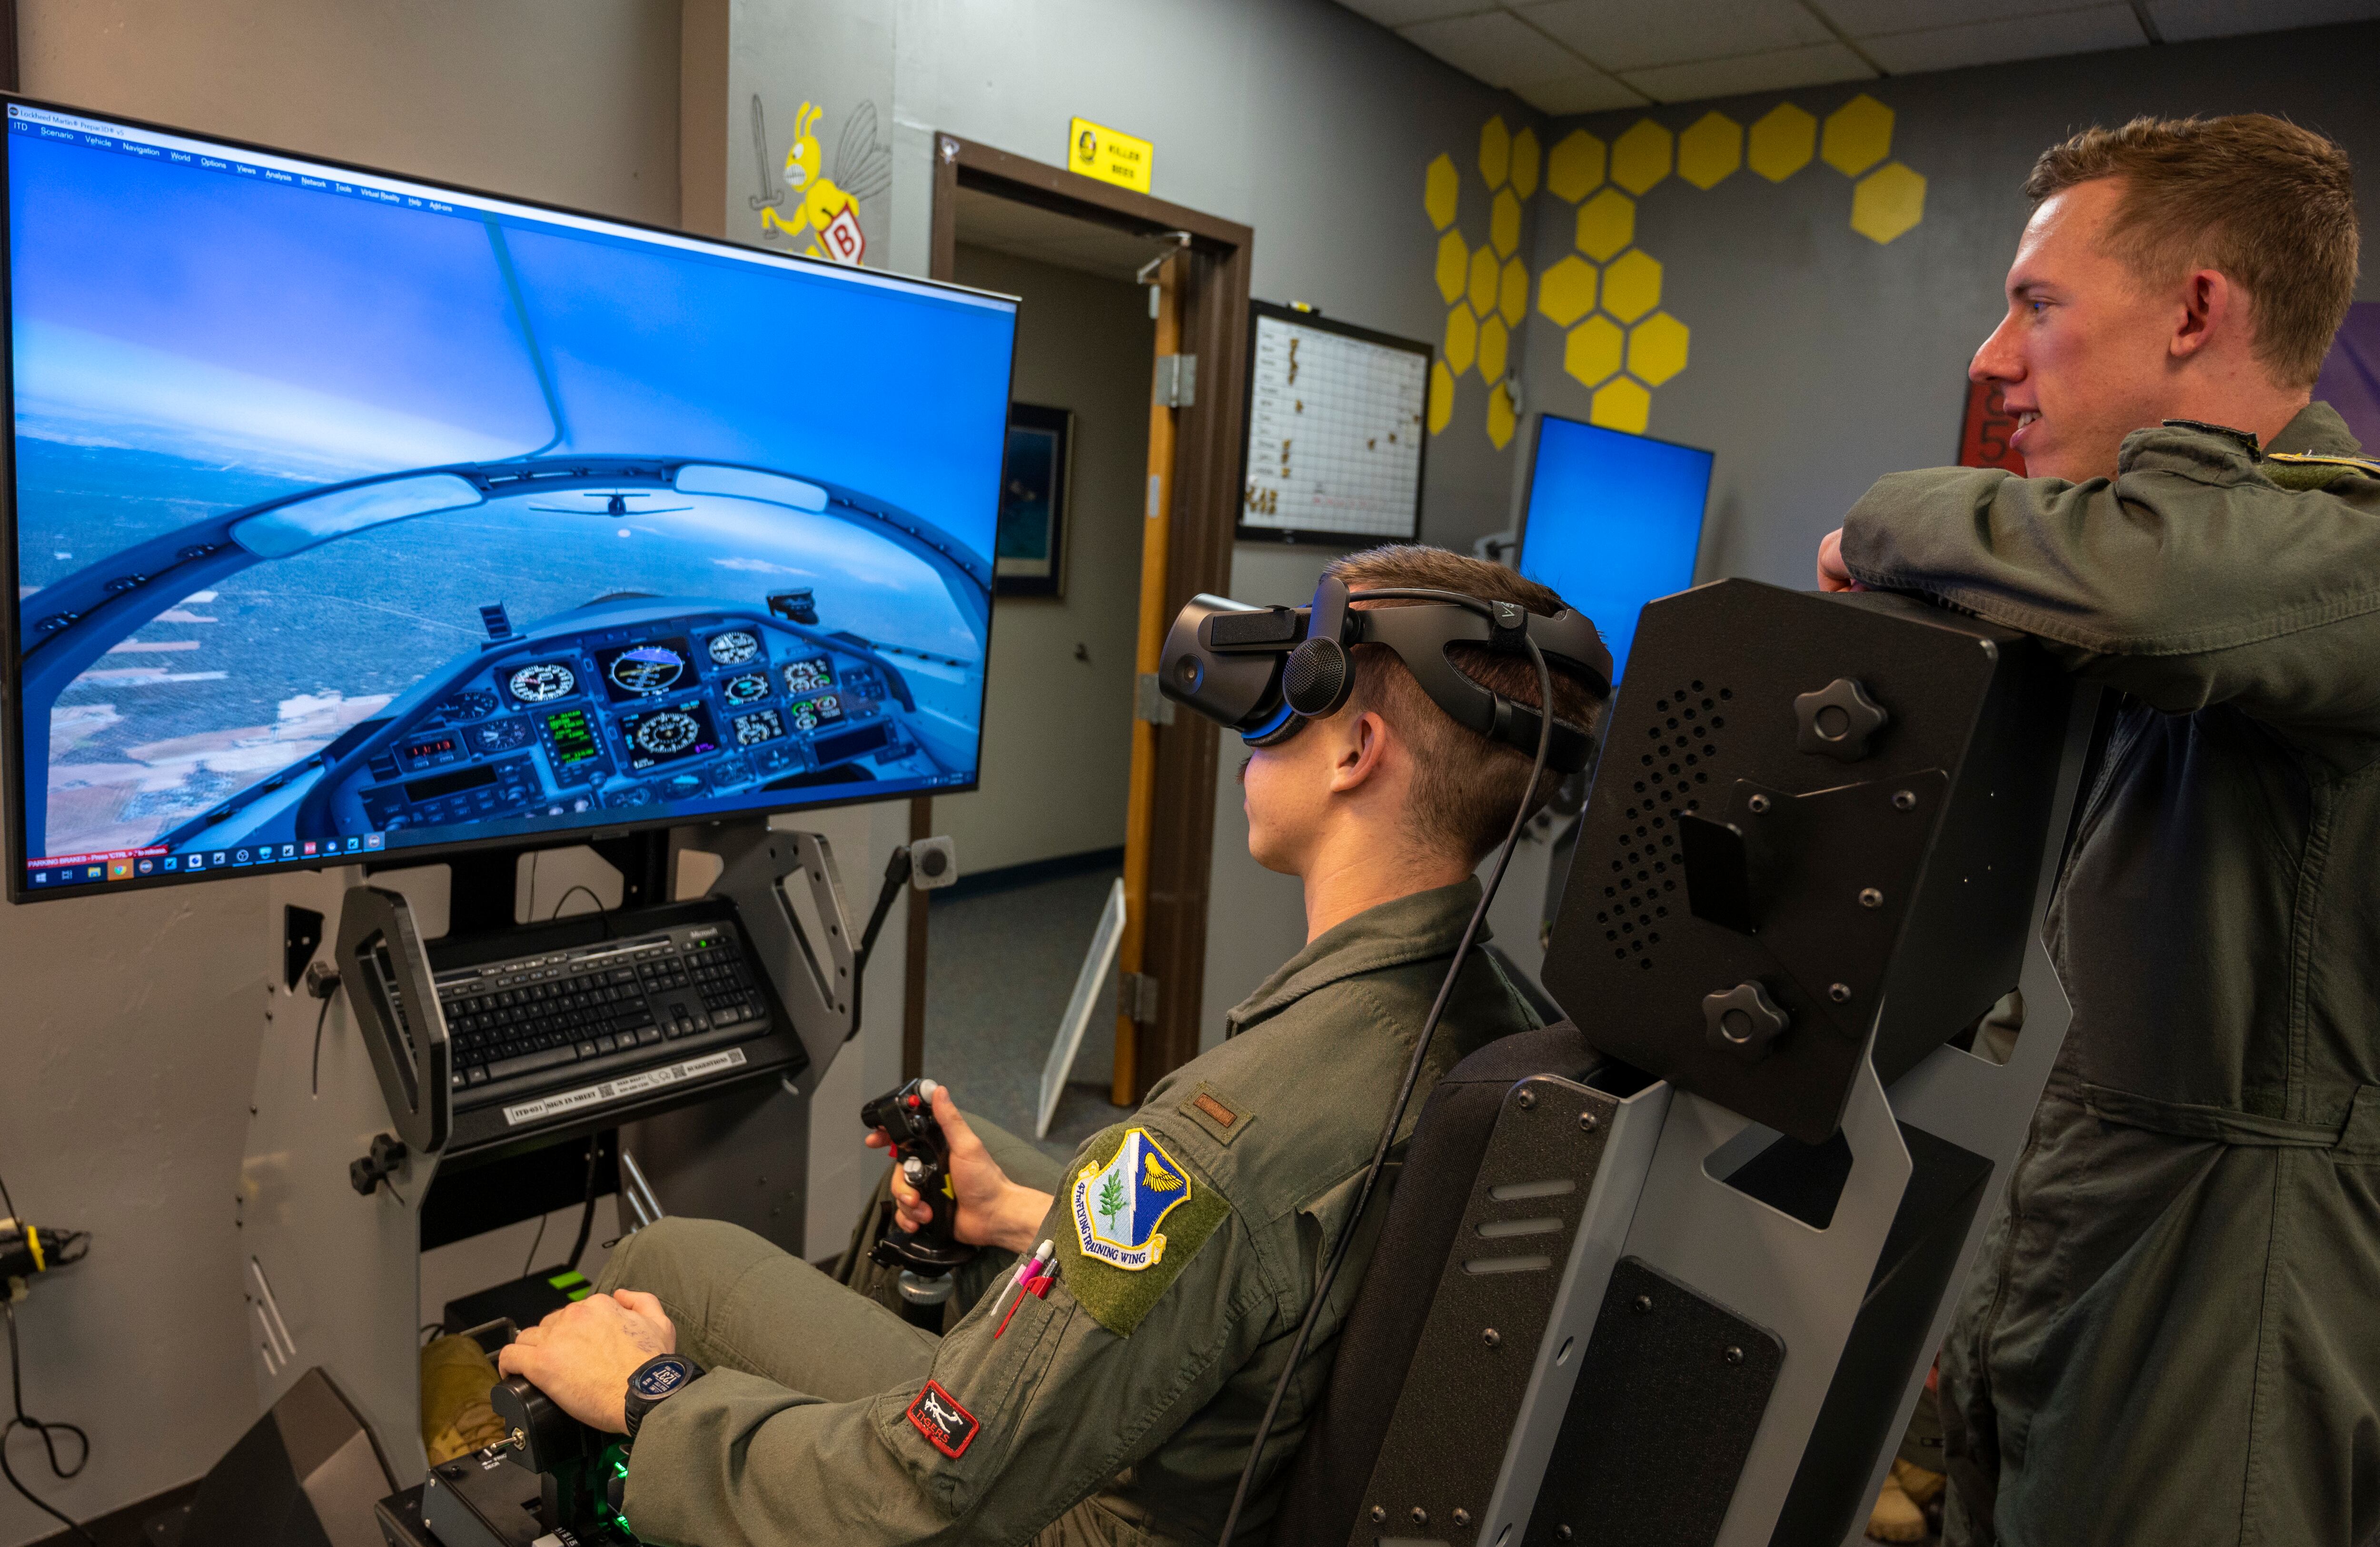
[320,1016]
[6,1203]
[49,1443]
[566,896]
[896,875]
[1405,1094]
[529,1261]
[587,1210]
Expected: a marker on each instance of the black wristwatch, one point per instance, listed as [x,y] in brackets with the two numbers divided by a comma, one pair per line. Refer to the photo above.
[655,1379]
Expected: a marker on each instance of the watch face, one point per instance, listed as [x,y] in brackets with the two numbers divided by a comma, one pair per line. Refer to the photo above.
[656,1378]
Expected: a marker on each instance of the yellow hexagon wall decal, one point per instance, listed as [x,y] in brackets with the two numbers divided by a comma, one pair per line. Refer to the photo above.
[1859,135]
[1657,349]
[1606,223]
[1484,275]
[1461,340]
[1783,141]
[1493,342]
[1567,293]
[1592,351]
[1453,264]
[1575,169]
[1513,292]
[1495,152]
[1440,187]
[1709,152]
[1504,221]
[1887,201]
[1524,162]
[1640,158]
[1500,421]
[1623,405]
[1631,286]
[1441,396]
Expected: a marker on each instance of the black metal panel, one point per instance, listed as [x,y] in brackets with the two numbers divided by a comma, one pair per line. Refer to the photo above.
[1453,1418]
[1660,1421]
[1858,877]
[1888,1339]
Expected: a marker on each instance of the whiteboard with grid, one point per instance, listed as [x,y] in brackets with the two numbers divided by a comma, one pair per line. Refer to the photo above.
[1335,433]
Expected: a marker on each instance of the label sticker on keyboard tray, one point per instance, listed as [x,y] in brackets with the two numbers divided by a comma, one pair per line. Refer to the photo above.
[627,1085]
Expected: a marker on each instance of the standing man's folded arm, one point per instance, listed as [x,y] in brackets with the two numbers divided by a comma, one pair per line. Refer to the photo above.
[2185,582]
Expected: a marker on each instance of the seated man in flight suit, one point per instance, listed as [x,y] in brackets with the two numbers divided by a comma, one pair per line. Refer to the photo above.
[2173,1334]
[1120,1409]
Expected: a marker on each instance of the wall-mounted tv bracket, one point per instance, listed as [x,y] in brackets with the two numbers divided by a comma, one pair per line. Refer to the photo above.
[393,996]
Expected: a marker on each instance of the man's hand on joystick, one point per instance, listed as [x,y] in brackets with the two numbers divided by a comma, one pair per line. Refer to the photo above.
[992,1210]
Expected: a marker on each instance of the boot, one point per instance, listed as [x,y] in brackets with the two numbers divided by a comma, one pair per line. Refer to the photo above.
[1896,1516]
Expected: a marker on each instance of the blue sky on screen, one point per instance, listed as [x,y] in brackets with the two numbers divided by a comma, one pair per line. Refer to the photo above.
[1614,521]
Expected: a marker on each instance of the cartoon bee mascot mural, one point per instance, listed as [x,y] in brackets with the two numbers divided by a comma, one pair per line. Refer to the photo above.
[824,212]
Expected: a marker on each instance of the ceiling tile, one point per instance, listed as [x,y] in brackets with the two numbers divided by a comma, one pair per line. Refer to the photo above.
[2181,20]
[1862,18]
[1779,71]
[1494,46]
[1993,42]
[1583,90]
[1404,13]
[1634,34]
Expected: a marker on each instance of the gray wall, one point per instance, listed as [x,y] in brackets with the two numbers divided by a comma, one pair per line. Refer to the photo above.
[1057,746]
[1821,360]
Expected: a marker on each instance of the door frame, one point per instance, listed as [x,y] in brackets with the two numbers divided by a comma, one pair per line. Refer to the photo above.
[1205,508]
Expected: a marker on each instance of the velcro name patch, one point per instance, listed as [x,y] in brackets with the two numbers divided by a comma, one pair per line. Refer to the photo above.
[947,1426]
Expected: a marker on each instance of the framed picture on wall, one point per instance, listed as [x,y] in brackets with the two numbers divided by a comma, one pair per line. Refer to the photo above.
[1030,556]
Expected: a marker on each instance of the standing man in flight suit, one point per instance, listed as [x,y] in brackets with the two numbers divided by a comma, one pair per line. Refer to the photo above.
[1119,1409]
[2173,1335]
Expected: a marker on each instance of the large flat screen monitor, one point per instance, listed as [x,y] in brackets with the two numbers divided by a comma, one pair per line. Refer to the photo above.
[352,513]
[1614,520]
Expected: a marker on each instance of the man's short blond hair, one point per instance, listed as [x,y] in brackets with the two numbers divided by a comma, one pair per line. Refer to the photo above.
[1466,786]
[2270,205]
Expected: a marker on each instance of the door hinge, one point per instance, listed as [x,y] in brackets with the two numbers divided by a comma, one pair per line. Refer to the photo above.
[1177,381]
[1149,701]
[1136,998]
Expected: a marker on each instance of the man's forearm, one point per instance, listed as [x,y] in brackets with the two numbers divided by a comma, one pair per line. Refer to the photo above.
[1022,1210]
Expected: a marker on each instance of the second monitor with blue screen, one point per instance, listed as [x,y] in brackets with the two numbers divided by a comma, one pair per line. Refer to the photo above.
[1614,520]
[368,514]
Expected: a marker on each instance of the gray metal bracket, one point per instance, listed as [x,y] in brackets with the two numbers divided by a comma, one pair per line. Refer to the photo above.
[810,960]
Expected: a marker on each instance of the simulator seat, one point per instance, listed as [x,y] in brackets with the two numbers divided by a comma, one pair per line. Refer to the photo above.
[1672,1271]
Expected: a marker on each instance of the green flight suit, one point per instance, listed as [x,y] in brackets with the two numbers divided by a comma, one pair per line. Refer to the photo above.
[2173,1335]
[1119,1409]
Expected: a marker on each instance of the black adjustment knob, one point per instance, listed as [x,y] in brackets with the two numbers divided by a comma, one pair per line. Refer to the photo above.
[1836,720]
[1744,1021]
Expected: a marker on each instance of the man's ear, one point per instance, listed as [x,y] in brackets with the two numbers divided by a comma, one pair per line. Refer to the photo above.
[2211,305]
[1359,752]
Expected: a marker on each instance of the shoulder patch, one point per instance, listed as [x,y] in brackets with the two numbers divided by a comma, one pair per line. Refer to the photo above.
[1136,1216]
[2306,470]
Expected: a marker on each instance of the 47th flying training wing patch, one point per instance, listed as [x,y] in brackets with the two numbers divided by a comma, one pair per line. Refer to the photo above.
[1137,1215]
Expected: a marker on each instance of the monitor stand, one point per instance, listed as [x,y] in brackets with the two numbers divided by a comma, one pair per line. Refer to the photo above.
[480,899]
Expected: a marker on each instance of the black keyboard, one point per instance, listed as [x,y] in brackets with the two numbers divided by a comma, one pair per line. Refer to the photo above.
[593,1004]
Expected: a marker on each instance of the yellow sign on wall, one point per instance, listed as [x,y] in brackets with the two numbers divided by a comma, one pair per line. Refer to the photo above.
[1110,157]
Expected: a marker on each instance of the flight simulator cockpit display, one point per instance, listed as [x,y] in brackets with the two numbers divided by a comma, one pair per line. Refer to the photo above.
[353,513]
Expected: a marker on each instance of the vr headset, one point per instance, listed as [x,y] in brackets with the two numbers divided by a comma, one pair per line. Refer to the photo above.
[1264,671]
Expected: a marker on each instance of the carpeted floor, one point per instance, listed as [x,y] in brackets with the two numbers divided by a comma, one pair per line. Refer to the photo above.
[999,968]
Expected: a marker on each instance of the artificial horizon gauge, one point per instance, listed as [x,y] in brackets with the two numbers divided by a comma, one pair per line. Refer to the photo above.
[643,668]
[734,647]
[543,683]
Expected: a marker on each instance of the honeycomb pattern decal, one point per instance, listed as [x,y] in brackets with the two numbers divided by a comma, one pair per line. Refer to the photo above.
[1485,285]
[1604,296]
